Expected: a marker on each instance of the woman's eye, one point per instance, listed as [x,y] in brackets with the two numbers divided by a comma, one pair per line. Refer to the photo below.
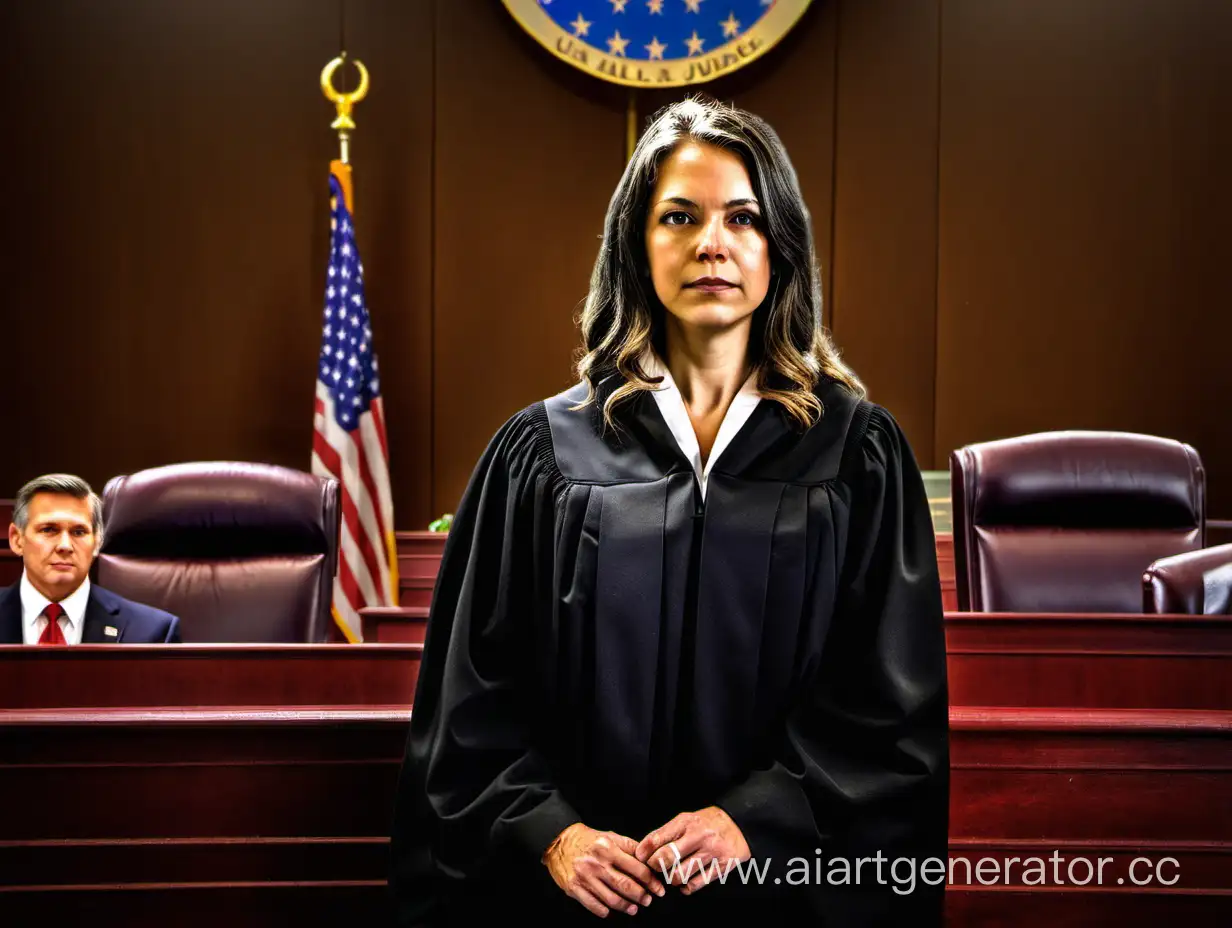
[744,219]
[677,218]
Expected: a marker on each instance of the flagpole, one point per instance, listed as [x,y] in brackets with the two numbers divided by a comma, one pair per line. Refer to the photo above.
[367,432]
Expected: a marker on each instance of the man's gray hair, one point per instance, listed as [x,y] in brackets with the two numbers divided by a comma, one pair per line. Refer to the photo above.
[59,483]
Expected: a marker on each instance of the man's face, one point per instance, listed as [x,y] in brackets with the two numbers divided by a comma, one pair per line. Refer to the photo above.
[58,544]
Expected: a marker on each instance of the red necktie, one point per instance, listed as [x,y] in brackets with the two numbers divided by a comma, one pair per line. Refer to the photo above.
[53,634]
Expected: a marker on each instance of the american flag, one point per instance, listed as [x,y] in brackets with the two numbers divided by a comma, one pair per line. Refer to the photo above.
[349,441]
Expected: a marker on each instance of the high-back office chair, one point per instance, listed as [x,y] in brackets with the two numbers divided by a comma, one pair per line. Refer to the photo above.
[1068,521]
[1195,583]
[240,552]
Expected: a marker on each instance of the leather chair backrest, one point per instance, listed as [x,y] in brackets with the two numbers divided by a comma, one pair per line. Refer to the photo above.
[1196,583]
[1068,521]
[240,552]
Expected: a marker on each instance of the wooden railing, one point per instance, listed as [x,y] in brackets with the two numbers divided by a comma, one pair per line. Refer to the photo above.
[254,785]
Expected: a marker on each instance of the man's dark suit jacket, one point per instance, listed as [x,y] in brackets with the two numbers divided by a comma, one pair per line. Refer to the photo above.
[133,622]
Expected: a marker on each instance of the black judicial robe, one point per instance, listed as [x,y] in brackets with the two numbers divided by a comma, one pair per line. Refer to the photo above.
[606,647]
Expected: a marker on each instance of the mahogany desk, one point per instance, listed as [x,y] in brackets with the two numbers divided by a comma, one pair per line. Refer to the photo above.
[192,785]
[254,784]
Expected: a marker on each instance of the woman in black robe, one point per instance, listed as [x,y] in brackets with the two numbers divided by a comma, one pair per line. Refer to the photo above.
[688,611]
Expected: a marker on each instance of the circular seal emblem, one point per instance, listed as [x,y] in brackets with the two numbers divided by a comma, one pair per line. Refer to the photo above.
[657,43]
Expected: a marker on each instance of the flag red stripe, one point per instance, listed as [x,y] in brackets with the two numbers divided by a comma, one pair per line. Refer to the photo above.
[365,474]
[350,515]
[328,455]
[350,589]
[378,422]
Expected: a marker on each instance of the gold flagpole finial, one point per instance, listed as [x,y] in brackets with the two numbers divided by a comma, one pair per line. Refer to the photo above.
[343,101]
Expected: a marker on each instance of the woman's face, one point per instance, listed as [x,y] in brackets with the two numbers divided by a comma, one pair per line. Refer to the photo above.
[709,257]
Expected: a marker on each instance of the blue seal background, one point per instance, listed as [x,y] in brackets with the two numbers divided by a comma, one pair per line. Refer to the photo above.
[671,27]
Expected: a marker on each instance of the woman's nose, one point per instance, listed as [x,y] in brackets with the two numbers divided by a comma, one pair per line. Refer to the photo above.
[712,244]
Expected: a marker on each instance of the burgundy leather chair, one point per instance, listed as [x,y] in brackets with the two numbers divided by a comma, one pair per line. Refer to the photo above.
[1068,521]
[240,552]
[1197,583]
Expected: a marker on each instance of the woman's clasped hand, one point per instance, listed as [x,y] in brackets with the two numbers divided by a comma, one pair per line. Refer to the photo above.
[606,872]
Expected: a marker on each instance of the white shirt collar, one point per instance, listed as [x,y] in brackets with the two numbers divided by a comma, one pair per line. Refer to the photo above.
[676,415]
[33,603]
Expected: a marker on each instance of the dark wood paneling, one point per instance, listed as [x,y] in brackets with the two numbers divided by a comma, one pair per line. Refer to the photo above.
[392,153]
[419,557]
[228,799]
[945,569]
[164,264]
[169,263]
[1083,222]
[1109,661]
[212,779]
[885,207]
[528,153]
[136,675]
[167,179]
[1061,803]
[1199,865]
[203,905]
[10,568]
[1218,532]
[394,624]
[188,860]
[1070,774]
[1088,907]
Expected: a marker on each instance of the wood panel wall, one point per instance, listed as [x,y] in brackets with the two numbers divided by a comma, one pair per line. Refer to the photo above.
[1020,210]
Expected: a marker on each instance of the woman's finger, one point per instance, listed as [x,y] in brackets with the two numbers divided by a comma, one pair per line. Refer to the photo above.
[698,882]
[710,868]
[668,858]
[629,864]
[658,838]
[597,886]
[593,905]
[631,891]
[697,868]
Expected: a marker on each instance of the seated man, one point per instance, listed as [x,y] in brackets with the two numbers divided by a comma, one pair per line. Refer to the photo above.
[57,530]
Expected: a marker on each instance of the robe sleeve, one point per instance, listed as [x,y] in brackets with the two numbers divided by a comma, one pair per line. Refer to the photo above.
[474,793]
[863,764]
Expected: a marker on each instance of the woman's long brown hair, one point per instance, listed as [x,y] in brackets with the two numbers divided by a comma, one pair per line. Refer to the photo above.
[622,317]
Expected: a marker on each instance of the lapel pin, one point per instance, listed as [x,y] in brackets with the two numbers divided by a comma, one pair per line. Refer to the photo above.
[110,631]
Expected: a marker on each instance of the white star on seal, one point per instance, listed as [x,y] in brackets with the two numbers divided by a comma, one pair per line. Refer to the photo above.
[695,44]
[580,27]
[731,26]
[616,45]
[656,49]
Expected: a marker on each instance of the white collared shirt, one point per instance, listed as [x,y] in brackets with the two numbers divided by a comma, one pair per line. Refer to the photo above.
[676,415]
[72,623]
